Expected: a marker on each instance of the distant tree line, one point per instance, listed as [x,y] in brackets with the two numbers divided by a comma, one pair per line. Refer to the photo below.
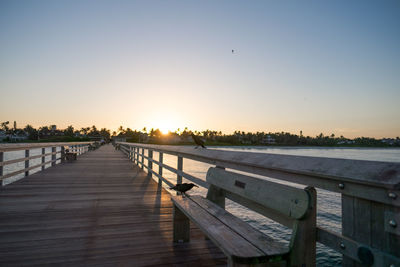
[240,138]
[183,137]
[51,133]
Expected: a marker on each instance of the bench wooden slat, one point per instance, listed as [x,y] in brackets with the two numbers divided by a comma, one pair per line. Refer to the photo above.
[230,242]
[263,242]
[290,201]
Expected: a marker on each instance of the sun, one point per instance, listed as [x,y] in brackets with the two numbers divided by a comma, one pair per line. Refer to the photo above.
[166,126]
[164,130]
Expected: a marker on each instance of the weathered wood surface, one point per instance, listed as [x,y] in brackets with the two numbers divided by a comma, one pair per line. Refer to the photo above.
[290,201]
[100,210]
[263,242]
[381,174]
[372,180]
[223,235]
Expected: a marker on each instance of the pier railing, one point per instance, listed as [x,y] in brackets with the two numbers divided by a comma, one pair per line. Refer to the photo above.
[370,193]
[56,154]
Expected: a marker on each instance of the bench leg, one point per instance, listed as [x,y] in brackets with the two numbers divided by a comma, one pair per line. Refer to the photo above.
[181,226]
[303,243]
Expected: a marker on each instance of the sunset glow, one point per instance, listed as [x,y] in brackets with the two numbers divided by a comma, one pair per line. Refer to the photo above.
[324,67]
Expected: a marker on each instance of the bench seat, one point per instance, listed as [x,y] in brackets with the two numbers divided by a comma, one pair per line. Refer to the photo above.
[242,244]
[70,156]
[237,239]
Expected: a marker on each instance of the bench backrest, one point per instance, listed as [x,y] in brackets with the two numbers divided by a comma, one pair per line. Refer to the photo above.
[269,198]
[290,206]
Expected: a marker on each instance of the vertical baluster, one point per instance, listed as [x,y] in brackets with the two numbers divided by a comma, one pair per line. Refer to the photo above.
[53,156]
[1,160]
[142,158]
[43,158]
[137,156]
[62,154]
[150,164]
[180,168]
[160,169]
[27,162]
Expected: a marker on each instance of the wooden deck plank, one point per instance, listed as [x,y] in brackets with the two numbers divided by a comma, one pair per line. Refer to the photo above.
[99,210]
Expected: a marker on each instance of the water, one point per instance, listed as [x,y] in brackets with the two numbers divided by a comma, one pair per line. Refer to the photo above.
[329,203]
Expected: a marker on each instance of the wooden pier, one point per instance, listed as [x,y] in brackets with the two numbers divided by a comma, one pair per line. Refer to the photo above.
[105,210]
[99,210]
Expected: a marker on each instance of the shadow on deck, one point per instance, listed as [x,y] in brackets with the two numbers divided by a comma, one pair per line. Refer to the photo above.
[99,210]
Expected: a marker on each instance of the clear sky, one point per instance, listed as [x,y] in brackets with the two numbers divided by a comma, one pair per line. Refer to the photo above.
[315,66]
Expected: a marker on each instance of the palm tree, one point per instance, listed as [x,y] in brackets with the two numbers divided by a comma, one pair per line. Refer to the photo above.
[4,125]
[69,131]
[84,131]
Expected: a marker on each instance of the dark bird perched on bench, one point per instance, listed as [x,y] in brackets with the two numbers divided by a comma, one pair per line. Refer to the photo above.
[198,141]
[182,188]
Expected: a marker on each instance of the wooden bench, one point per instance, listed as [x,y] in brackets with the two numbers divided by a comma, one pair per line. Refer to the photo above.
[69,156]
[241,243]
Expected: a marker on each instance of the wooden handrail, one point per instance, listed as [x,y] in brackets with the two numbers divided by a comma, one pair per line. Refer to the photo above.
[28,158]
[350,177]
[27,147]
[26,169]
[24,146]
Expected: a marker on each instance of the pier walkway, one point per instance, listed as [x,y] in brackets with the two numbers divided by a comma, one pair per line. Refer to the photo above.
[99,210]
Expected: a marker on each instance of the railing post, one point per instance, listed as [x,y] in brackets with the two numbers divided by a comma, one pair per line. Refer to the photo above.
[1,160]
[180,168]
[150,164]
[26,162]
[43,158]
[369,222]
[53,156]
[304,242]
[160,159]
[62,154]
[137,156]
[142,158]
[130,153]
